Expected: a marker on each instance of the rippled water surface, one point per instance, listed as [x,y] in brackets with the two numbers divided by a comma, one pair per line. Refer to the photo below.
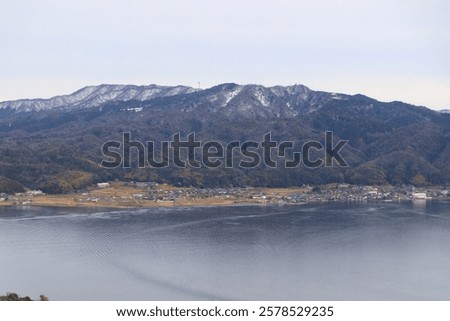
[373,251]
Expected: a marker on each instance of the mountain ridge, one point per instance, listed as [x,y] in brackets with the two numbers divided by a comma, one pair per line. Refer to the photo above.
[59,149]
[93,96]
[97,95]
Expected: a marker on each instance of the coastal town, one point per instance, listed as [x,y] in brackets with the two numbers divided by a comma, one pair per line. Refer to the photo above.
[151,194]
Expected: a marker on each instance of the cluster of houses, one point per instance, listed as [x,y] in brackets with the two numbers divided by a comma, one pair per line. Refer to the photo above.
[21,198]
[334,192]
[345,192]
[153,192]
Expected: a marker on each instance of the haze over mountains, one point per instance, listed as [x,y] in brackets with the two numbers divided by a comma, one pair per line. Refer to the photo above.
[54,144]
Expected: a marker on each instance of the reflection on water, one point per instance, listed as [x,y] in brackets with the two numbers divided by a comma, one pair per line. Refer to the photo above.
[373,251]
[419,204]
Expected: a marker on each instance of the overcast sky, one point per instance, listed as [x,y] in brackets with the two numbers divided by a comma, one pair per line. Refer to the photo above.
[389,50]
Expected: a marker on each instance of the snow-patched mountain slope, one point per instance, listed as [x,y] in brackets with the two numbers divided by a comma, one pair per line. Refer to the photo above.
[236,101]
[93,96]
[229,99]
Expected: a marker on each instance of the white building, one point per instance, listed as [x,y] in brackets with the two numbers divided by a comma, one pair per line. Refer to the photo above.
[419,196]
[103,185]
[35,192]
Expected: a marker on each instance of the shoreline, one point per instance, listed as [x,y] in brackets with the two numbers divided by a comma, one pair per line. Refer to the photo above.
[194,204]
[120,195]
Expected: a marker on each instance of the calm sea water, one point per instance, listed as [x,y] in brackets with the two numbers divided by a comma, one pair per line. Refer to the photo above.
[379,251]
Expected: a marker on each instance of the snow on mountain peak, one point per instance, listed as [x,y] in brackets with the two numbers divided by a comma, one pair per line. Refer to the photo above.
[92,96]
[229,98]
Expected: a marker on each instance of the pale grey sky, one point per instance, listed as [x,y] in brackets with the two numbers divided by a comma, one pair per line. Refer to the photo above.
[389,50]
